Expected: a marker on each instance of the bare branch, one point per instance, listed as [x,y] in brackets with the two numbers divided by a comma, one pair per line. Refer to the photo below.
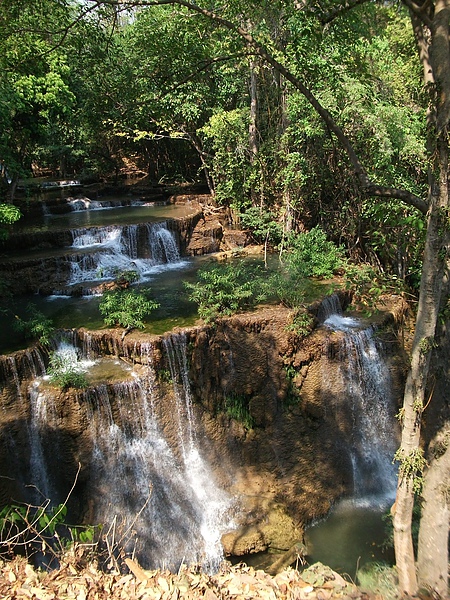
[340,9]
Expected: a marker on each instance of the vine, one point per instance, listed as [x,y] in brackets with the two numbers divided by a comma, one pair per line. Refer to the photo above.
[411,467]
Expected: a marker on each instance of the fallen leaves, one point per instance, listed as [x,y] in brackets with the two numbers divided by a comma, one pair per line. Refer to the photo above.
[20,581]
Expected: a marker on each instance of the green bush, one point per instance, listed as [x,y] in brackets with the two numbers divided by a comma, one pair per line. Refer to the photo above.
[37,326]
[64,373]
[126,308]
[263,225]
[312,255]
[283,286]
[226,289]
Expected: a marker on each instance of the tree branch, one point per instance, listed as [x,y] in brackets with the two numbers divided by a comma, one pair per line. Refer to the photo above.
[406,197]
[340,9]
[419,11]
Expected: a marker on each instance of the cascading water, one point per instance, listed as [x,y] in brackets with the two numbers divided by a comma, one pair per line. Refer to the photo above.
[105,251]
[212,504]
[41,416]
[165,509]
[368,390]
[354,533]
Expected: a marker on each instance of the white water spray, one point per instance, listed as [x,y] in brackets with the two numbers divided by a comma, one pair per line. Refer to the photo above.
[366,379]
[106,251]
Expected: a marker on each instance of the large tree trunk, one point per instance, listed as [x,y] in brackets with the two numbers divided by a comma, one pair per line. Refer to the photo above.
[433,275]
[432,558]
[410,453]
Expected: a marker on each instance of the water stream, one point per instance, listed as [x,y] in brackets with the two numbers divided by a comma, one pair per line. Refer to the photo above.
[354,533]
[109,251]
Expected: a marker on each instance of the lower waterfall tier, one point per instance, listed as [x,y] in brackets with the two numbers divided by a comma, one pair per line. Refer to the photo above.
[218,440]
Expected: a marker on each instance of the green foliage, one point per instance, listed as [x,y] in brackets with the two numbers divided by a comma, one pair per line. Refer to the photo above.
[368,284]
[312,255]
[263,225]
[37,326]
[124,277]
[165,375]
[227,288]
[9,214]
[411,467]
[126,308]
[236,407]
[302,322]
[226,136]
[19,516]
[30,527]
[283,285]
[64,373]
[379,579]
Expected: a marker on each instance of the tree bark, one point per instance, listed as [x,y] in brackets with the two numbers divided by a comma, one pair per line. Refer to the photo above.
[432,558]
[432,282]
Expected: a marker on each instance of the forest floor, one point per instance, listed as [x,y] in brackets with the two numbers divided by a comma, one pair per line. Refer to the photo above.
[19,580]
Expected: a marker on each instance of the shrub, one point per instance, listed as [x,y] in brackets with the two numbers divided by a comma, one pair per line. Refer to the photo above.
[126,308]
[263,225]
[64,373]
[226,289]
[312,255]
[37,326]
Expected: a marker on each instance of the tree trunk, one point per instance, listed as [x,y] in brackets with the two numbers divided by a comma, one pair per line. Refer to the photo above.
[409,455]
[435,520]
[252,131]
[432,281]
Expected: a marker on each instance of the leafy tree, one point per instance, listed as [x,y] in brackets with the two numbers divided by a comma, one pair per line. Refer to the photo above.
[34,86]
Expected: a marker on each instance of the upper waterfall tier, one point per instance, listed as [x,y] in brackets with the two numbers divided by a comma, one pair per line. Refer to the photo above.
[44,258]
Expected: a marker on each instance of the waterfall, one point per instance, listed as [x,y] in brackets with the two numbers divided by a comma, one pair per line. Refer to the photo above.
[105,251]
[329,306]
[154,500]
[42,410]
[213,503]
[164,508]
[367,384]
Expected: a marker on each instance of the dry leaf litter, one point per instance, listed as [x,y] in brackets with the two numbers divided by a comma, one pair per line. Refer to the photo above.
[19,580]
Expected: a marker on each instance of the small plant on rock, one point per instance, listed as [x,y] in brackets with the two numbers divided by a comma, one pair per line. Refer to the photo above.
[65,374]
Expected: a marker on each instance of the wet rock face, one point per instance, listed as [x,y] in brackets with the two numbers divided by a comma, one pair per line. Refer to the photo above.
[293,454]
[286,462]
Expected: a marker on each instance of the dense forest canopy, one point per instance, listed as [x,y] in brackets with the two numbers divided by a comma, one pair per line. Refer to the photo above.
[302,113]
[96,88]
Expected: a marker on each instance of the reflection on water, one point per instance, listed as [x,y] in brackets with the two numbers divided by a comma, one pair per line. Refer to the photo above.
[125,215]
[352,535]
